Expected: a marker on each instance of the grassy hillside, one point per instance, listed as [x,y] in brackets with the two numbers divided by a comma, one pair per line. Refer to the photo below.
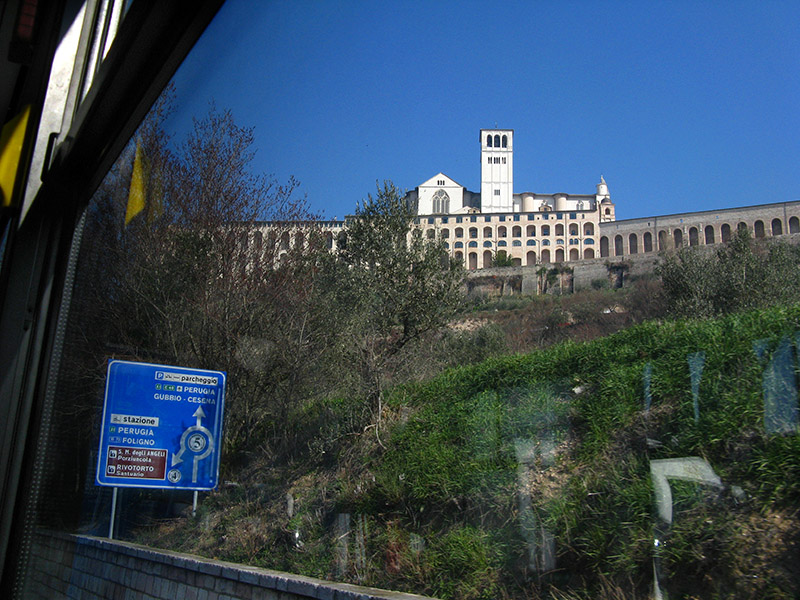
[467,477]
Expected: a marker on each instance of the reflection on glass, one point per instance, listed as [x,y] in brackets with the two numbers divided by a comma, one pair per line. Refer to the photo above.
[646,377]
[696,362]
[778,386]
[691,468]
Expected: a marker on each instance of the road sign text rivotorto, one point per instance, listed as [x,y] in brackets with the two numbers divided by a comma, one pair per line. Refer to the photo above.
[162,427]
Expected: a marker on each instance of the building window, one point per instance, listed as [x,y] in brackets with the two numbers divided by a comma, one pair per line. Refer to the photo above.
[497,192]
[504,160]
[489,159]
[497,141]
[489,141]
[505,141]
[441,202]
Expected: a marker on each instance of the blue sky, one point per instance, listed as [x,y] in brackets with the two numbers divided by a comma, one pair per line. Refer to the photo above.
[679,105]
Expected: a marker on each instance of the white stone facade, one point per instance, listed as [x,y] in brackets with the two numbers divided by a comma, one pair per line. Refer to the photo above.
[529,227]
[534,228]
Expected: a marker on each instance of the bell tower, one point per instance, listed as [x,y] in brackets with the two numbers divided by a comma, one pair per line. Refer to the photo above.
[497,170]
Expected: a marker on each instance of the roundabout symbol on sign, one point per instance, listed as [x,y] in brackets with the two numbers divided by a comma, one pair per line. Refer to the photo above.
[196,440]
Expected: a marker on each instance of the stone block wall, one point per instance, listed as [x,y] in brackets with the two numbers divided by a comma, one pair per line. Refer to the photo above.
[90,568]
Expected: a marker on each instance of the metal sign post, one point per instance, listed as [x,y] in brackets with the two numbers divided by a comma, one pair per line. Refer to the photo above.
[162,428]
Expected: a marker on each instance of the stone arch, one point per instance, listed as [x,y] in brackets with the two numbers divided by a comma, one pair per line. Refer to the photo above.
[588,253]
[758,228]
[329,240]
[777,227]
[545,256]
[560,255]
[530,231]
[430,234]
[530,258]
[459,232]
[662,240]
[794,225]
[677,238]
[489,141]
[502,231]
[709,234]
[741,226]
[559,229]
[633,244]
[473,232]
[459,256]
[516,231]
[487,258]
[496,141]
[445,234]
[694,236]
[647,239]
[618,249]
[574,254]
[545,229]
[487,232]
[588,229]
[603,246]
[725,233]
[473,261]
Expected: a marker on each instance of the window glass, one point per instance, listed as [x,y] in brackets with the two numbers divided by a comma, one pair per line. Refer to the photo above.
[380,429]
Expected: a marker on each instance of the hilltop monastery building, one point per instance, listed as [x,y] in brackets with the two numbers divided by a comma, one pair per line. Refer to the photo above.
[535,229]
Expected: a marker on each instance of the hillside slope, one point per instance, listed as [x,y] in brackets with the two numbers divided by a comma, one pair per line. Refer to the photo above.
[529,476]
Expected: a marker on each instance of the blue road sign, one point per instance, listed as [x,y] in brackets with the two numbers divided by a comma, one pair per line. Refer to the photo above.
[162,427]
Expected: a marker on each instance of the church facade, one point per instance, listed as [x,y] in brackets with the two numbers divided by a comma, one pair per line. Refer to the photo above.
[534,229]
[540,229]
[528,227]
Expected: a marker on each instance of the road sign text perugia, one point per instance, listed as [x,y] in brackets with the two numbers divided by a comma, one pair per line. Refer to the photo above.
[162,427]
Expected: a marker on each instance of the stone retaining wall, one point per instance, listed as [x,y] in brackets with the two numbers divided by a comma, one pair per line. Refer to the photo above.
[90,568]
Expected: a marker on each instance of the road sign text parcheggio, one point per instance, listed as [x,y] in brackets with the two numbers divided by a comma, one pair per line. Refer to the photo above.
[162,427]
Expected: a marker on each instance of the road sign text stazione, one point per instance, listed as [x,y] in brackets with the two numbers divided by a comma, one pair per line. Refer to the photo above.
[156,432]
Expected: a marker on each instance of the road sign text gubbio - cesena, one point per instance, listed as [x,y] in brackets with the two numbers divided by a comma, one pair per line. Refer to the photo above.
[162,427]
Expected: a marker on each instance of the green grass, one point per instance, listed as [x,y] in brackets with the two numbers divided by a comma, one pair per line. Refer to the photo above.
[441,493]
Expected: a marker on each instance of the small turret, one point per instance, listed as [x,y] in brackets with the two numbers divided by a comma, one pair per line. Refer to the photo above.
[602,187]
